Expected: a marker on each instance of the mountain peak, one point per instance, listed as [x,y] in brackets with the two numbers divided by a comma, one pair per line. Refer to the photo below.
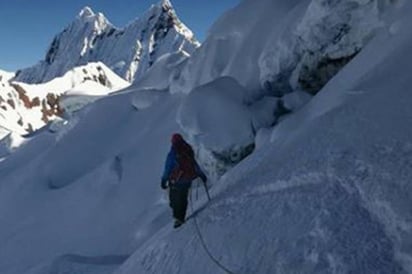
[88,15]
[165,3]
[129,51]
[86,12]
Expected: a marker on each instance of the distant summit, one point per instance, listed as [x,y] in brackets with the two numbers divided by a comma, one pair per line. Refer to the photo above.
[86,12]
[129,51]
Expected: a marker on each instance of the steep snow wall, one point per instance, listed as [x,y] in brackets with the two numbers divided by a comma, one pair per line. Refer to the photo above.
[290,45]
[289,51]
[234,45]
[219,124]
[328,36]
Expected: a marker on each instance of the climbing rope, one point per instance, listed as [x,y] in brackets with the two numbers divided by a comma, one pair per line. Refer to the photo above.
[203,242]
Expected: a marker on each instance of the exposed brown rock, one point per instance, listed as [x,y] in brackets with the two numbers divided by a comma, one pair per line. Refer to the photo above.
[35,102]
[28,103]
[22,95]
[51,107]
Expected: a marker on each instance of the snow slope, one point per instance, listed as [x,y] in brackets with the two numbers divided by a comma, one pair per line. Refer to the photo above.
[330,193]
[129,51]
[5,75]
[7,98]
[111,178]
[327,191]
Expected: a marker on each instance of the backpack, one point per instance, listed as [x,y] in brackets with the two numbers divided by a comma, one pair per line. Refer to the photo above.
[185,169]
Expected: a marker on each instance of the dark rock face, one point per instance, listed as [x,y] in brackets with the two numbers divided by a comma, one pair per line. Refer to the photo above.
[314,79]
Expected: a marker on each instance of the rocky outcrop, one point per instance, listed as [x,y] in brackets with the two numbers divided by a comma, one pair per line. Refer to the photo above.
[26,107]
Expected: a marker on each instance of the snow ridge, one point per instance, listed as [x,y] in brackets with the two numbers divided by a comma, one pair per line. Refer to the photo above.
[25,107]
[5,76]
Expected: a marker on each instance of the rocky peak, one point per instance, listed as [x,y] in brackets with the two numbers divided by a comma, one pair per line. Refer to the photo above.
[162,17]
[129,51]
[85,13]
[166,4]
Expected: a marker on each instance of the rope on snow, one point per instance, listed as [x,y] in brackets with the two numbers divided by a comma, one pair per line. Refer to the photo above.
[203,242]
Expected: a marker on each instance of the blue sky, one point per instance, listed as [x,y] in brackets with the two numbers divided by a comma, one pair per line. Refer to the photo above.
[28,26]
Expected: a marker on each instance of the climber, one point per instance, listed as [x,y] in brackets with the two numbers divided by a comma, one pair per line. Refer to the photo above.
[180,170]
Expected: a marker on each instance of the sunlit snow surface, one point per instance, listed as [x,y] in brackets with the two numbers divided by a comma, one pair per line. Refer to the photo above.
[327,191]
[75,89]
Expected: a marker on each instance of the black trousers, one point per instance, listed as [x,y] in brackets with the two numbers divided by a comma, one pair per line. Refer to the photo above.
[178,201]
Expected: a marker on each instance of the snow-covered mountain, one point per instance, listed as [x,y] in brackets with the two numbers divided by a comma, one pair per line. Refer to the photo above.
[5,76]
[129,51]
[27,107]
[6,91]
[325,187]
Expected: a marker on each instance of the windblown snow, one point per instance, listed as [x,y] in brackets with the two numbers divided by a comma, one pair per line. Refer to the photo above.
[304,134]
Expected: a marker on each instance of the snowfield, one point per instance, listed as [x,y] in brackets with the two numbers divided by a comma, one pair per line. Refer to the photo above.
[301,181]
